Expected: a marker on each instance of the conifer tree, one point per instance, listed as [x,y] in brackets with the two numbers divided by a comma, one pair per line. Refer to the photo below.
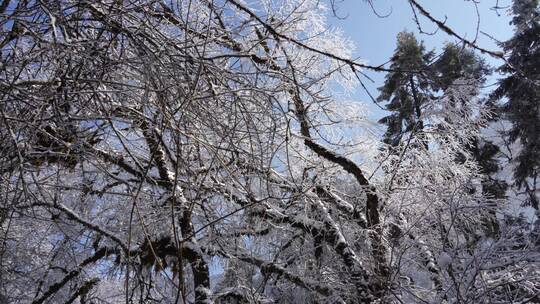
[455,63]
[416,80]
[406,88]
[521,88]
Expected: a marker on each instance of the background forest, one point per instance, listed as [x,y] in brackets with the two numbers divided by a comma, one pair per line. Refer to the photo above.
[204,151]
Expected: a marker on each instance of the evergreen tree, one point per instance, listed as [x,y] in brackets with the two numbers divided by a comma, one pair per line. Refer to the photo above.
[416,80]
[458,66]
[406,88]
[455,63]
[521,88]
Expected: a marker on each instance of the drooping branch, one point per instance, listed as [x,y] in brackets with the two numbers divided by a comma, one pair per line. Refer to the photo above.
[284,37]
[449,31]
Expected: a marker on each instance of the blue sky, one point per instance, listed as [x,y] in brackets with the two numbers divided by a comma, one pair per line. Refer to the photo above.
[375,37]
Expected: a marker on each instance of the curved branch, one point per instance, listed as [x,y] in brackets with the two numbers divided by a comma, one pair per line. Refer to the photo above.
[372,202]
[449,31]
[353,64]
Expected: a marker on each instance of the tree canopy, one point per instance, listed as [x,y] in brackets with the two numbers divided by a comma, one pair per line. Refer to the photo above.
[201,152]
